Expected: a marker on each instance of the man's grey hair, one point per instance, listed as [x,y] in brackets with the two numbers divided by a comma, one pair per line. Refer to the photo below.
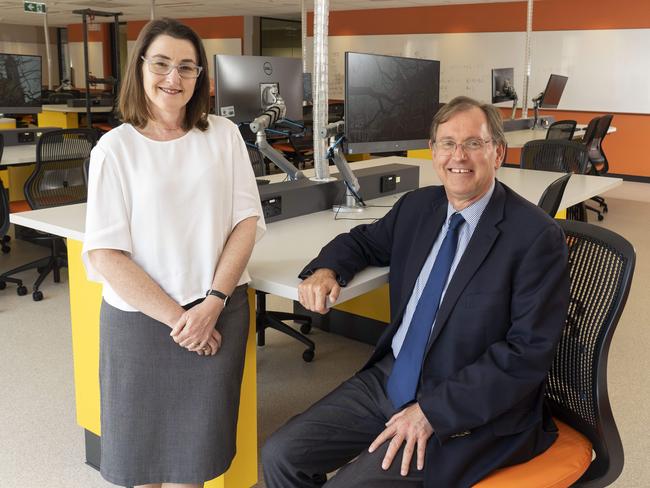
[462,104]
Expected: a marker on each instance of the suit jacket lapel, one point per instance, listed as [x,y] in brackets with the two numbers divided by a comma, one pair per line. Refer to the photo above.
[478,248]
[423,242]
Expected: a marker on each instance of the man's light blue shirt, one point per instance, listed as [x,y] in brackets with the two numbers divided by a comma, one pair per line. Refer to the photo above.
[472,215]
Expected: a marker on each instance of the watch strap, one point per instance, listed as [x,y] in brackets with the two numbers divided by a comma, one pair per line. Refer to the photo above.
[219,294]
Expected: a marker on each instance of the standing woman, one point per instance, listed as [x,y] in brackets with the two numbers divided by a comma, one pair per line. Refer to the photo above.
[173,214]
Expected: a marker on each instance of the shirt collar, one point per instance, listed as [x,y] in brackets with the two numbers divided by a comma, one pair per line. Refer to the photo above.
[472,213]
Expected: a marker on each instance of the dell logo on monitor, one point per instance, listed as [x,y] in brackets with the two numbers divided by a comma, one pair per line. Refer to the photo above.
[268,69]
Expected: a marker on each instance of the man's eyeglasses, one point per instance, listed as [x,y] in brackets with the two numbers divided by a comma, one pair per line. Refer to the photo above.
[447,146]
[161,66]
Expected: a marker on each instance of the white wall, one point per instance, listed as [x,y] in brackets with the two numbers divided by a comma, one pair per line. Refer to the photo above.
[27,39]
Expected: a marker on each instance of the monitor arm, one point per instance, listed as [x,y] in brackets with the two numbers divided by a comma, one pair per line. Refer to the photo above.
[510,91]
[353,201]
[536,101]
[262,122]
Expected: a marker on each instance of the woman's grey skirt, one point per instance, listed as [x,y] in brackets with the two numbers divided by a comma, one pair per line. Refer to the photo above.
[168,414]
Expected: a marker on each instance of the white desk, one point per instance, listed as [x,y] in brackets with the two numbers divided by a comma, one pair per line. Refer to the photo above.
[18,155]
[289,244]
[64,108]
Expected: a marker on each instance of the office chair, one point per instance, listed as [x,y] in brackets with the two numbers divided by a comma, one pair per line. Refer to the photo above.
[4,219]
[267,318]
[597,157]
[552,196]
[601,266]
[257,160]
[4,227]
[561,156]
[562,129]
[58,179]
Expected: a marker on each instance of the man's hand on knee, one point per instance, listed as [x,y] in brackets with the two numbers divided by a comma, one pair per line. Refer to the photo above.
[314,292]
[410,426]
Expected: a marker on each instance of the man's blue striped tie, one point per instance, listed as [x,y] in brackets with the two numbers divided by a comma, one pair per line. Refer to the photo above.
[403,380]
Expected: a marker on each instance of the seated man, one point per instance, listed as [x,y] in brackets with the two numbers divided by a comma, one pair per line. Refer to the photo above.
[479,293]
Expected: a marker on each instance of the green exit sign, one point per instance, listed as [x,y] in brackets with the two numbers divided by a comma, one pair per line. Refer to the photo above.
[34,7]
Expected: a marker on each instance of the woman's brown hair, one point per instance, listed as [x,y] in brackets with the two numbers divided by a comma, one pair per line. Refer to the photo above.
[133,103]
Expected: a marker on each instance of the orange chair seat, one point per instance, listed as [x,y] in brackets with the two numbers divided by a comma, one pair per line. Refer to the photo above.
[559,466]
[284,147]
[19,206]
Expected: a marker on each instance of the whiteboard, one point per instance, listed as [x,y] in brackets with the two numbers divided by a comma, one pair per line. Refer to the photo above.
[608,70]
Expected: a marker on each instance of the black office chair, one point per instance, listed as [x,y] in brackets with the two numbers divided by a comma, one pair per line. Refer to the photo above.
[561,156]
[4,227]
[267,318]
[562,129]
[601,266]
[257,160]
[58,179]
[4,219]
[598,158]
[552,196]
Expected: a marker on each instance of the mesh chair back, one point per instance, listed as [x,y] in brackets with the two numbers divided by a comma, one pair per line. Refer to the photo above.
[590,131]
[597,157]
[552,196]
[4,210]
[601,265]
[58,178]
[555,155]
[562,129]
[257,160]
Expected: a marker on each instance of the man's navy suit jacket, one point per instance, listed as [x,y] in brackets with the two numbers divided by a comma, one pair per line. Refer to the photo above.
[483,377]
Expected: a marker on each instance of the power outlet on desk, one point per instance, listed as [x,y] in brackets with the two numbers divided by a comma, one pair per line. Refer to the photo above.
[28,137]
[272,207]
[388,183]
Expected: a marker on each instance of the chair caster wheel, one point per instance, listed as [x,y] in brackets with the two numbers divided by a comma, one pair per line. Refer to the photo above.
[3,285]
[21,290]
[5,249]
[305,328]
[600,217]
[6,239]
[37,296]
[308,355]
[605,209]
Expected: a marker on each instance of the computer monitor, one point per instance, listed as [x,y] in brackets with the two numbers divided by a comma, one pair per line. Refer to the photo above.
[20,83]
[553,91]
[503,85]
[243,83]
[390,102]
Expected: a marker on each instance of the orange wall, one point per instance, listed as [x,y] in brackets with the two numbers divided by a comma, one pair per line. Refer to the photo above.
[621,148]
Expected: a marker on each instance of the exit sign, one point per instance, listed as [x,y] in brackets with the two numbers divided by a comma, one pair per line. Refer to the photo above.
[34,7]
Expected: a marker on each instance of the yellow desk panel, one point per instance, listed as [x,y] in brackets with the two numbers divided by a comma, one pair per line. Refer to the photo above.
[64,120]
[7,123]
[373,305]
[85,302]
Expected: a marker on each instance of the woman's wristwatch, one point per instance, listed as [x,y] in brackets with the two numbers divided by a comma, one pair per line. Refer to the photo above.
[217,293]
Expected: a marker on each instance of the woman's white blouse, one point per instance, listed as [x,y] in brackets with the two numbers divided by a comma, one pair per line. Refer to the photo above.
[170,205]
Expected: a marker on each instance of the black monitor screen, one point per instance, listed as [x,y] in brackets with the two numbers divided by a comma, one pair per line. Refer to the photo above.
[243,83]
[389,102]
[20,83]
[503,85]
[553,91]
